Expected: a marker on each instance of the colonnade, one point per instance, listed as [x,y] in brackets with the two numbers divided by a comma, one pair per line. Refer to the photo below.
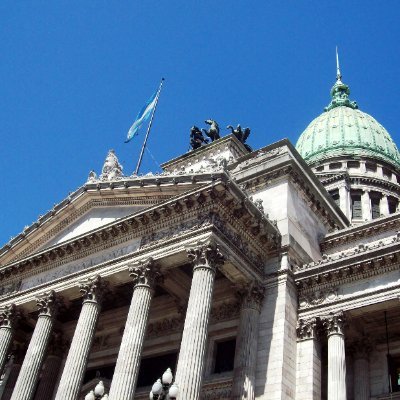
[205,259]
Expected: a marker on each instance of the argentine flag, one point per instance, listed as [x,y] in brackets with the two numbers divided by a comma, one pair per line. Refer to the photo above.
[143,115]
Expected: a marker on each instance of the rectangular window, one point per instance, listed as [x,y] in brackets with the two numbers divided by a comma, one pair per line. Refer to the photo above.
[335,196]
[353,164]
[375,205]
[224,356]
[393,203]
[386,173]
[356,209]
[336,165]
[370,167]
[152,368]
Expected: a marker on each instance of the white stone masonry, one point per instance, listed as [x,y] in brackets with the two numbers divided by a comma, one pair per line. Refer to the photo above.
[246,343]
[8,318]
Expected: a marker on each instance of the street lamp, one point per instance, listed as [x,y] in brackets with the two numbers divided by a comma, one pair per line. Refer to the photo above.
[97,393]
[164,389]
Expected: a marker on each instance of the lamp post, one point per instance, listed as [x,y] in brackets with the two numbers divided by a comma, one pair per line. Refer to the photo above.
[97,393]
[164,389]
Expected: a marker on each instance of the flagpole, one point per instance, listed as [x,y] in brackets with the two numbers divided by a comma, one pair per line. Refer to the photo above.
[148,128]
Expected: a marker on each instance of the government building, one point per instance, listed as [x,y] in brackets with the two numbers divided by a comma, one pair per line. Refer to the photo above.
[268,274]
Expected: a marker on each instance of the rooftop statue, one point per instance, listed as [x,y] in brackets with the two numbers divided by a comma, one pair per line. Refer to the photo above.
[213,132]
[112,168]
[241,135]
[196,138]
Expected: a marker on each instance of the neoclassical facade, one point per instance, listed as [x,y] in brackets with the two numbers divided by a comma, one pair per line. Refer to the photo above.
[268,274]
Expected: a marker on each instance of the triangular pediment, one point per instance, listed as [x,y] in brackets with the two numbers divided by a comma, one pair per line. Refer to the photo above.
[92,206]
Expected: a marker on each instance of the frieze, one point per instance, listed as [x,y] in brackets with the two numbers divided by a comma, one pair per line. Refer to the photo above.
[318,297]
[225,311]
[219,390]
[164,327]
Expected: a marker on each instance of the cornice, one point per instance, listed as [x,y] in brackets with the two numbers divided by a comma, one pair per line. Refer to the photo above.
[363,231]
[224,195]
[360,263]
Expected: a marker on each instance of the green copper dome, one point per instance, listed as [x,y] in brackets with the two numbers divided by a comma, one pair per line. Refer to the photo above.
[343,130]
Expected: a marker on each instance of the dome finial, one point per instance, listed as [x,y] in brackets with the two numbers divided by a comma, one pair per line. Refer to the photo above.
[338,74]
[340,92]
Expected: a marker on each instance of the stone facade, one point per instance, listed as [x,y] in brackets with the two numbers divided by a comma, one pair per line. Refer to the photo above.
[236,269]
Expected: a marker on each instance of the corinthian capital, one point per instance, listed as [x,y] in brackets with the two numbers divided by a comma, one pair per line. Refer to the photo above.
[48,303]
[9,316]
[252,295]
[145,273]
[334,323]
[93,289]
[306,328]
[205,256]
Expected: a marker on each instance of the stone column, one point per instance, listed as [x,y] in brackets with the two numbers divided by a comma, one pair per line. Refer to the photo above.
[8,318]
[384,205]
[366,205]
[189,375]
[18,354]
[48,305]
[308,377]
[92,290]
[51,368]
[334,325]
[145,277]
[344,198]
[246,342]
[361,349]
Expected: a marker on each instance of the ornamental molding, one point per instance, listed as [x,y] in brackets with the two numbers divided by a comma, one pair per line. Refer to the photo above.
[145,273]
[225,311]
[48,304]
[93,289]
[206,256]
[365,261]
[307,328]
[165,326]
[9,316]
[251,226]
[252,296]
[375,182]
[318,297]
[217,390]
[334,323]
[364,231]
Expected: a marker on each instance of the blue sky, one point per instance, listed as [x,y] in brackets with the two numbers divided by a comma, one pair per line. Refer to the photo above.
[74,74]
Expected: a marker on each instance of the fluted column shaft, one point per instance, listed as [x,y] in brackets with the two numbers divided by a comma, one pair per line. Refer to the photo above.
[194,339]
[123,385]
[336,358]
[8,317]
[29,374]
[78,354]
[246,343]
[361,379]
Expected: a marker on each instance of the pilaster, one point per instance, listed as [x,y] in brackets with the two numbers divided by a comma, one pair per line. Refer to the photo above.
[246,342]
[145,276]
[308,377]
[205,258]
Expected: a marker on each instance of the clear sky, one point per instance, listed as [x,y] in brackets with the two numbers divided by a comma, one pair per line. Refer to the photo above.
[74,74]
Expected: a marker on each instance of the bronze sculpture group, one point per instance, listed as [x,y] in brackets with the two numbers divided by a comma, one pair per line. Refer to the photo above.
[197,139]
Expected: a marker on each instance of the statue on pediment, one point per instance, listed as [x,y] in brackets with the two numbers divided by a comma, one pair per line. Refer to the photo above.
[196,138]
[241,134]
[112,169]
[213,131]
